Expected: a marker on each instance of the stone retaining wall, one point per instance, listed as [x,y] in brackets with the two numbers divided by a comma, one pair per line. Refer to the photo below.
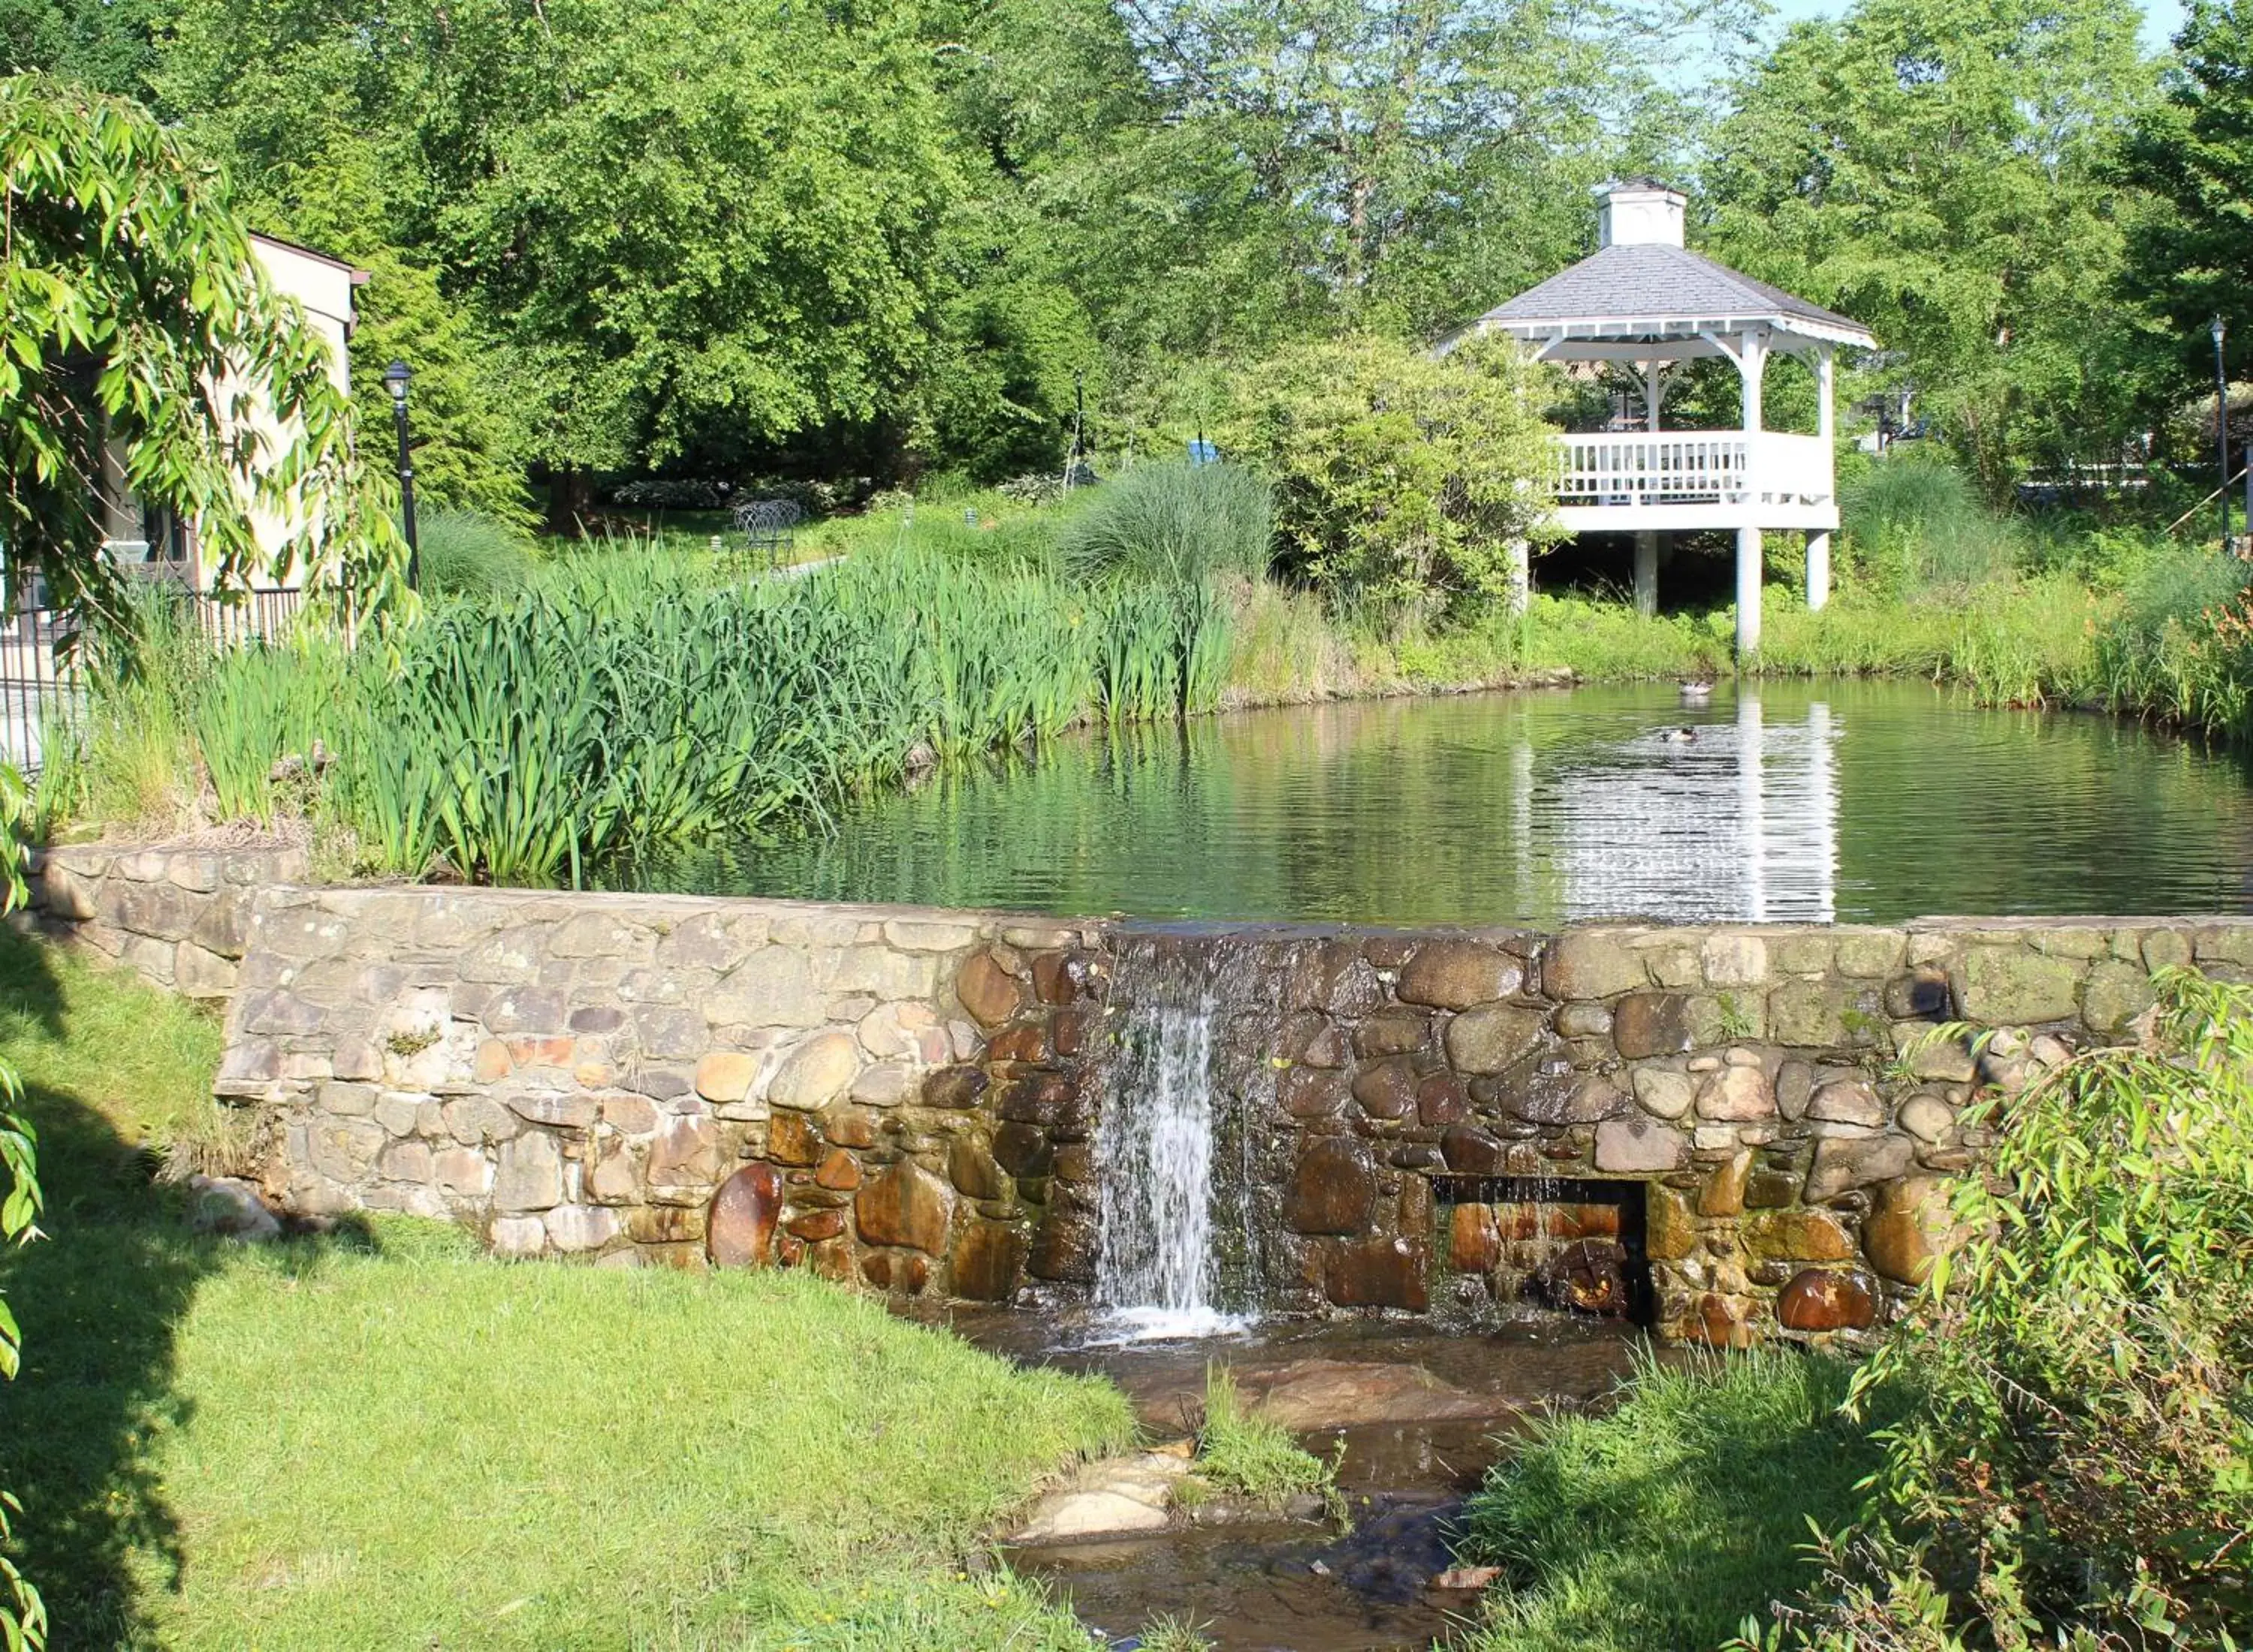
[178,916]
[909,1097]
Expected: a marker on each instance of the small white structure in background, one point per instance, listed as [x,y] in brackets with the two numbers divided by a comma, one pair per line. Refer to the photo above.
[1645,301]
[148,540]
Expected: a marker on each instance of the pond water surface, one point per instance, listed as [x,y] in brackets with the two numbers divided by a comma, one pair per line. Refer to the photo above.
[1848,801]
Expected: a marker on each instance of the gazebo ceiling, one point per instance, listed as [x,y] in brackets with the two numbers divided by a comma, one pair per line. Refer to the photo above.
[1644,296]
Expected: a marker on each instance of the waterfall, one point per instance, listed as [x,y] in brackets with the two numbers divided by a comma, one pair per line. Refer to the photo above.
[1171,1153]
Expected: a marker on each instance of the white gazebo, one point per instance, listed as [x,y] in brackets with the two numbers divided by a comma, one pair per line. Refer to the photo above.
[1644,300]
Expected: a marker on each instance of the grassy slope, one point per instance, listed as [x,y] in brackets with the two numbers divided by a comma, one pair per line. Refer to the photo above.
[1658,1527]
[394,1441]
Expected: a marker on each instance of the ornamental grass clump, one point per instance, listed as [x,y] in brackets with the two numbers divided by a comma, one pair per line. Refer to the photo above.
[1171,525]
[2076,1470]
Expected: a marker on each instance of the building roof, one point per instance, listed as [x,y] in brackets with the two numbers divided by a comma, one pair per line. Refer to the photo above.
[1644,288]
[358,275]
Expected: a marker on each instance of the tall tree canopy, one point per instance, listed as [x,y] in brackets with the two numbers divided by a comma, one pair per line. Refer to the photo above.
[2193,260]
[1943,174]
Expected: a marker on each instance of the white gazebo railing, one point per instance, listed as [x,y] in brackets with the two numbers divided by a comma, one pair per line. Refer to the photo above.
[1677,467]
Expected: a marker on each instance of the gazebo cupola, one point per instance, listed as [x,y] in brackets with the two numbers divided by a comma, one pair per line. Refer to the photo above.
[1645,301]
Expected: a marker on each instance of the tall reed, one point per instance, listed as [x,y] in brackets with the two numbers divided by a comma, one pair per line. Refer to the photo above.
[623,702]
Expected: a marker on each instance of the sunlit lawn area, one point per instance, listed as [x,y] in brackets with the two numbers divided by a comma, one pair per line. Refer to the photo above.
[386,1440]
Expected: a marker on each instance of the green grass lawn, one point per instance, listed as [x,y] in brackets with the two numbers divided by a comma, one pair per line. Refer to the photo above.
[1659,1526]
[384,1438]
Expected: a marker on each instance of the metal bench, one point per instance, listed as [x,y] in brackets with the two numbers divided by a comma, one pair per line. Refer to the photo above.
[769,529]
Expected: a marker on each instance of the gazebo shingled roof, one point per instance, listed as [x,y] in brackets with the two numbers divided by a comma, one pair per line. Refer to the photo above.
[1645,283]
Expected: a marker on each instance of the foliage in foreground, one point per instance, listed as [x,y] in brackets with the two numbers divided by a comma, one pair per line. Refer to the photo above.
[501,1456]
[139,332]
[2077,1470]
[23,1612]
[1662,1523]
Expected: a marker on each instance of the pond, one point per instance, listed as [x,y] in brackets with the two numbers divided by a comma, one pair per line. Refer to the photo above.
[1845,801]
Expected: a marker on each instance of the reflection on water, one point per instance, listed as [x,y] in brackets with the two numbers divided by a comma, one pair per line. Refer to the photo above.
[1853,801]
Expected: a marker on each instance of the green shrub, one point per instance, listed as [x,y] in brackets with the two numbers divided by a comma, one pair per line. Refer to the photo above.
[2077,1471]
[466,553]
[1173,524]
[1401,478]
[2176,648]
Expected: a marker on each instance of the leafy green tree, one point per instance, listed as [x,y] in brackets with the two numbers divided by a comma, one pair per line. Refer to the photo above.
[1943,174]
[996,393]
[683,228]
[140,344]
[107,45]
[2192,151]
[1403,479]
[315,132]
[697,214]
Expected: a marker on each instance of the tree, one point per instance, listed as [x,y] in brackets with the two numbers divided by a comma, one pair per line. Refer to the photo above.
[2192,259]
[1942,173]
[1403,479]
[107,45]
[140,345]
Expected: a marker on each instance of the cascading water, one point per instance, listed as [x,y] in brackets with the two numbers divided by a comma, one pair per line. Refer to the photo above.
[1178,1245]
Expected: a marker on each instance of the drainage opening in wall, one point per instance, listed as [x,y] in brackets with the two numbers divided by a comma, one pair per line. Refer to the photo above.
[1574,1243]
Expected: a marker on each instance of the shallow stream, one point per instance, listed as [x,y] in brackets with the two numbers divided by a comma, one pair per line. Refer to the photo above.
[1420,1415]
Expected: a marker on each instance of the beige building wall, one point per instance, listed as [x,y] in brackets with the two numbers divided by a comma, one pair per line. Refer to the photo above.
[146,541]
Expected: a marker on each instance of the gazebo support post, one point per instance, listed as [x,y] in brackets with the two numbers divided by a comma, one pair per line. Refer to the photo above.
[1819,543]
[1748,591]
[1818,571]
[1646,543]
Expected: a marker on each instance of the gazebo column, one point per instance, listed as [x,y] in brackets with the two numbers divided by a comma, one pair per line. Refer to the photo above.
[1748,590]
[1751,357]
[1646,542]
[1818,542]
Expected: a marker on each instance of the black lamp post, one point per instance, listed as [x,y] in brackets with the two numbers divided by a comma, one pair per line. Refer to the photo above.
[2222,426]
[395,376]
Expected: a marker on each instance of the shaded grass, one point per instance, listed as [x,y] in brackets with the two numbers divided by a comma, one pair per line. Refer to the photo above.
[1662,1524]
[385,1438]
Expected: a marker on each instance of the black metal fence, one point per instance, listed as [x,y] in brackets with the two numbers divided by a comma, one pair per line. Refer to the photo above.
[43,674]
